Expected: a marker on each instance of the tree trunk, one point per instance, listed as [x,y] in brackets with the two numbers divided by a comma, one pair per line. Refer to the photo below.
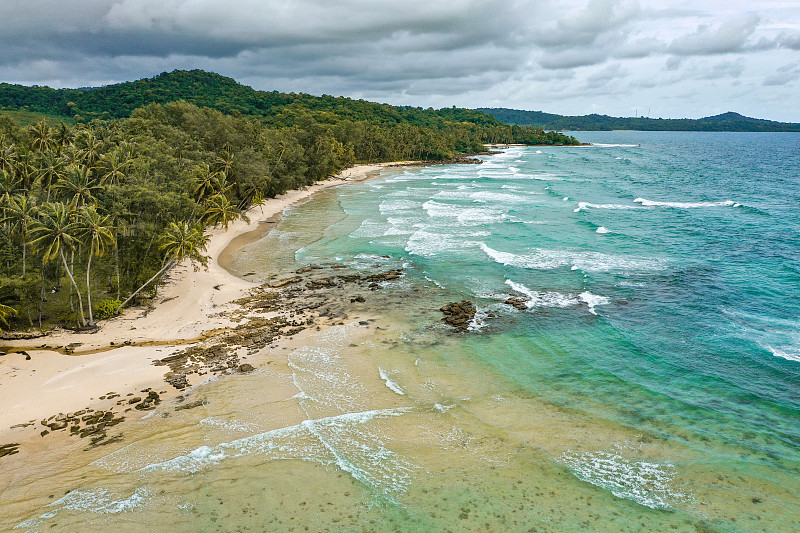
[69,273]
[89,288]
[166,267]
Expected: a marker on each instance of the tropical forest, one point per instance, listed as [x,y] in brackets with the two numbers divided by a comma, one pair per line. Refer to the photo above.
[103,190]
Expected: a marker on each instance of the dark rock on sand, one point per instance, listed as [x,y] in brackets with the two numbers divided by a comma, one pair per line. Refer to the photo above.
[9,449]
[459,314]
[244,367]
[284,282]
[359,299]
[176,380]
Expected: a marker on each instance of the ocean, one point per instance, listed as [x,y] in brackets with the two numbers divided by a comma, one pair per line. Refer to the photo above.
[646,378]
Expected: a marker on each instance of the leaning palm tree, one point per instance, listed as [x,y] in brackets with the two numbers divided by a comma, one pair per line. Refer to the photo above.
[5,313]
[54,232]
[97,233]
[207,182]
[180,241]
[20,214]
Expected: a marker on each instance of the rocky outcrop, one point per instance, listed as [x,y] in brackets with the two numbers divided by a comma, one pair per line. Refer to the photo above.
[459,314]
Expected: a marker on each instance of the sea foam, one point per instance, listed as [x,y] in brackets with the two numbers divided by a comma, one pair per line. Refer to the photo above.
[685,205]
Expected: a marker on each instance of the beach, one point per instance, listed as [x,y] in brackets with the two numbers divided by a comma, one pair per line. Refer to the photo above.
[38,379]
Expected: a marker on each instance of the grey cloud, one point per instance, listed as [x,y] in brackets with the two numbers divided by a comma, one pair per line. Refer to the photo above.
[730,36]
[789,40]
[783,75]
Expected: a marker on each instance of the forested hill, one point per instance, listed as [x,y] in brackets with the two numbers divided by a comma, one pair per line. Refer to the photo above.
[207,89]
[725,122]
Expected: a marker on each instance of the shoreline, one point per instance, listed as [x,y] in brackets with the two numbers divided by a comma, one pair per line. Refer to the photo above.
[43,380]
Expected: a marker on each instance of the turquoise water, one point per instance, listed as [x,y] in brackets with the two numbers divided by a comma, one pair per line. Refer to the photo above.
[662,268]
[650,383]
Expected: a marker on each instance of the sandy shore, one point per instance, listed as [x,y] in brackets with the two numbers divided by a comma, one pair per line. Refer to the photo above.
[119,357]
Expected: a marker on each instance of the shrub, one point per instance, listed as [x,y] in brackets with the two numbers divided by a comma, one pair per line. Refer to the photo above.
[107,309]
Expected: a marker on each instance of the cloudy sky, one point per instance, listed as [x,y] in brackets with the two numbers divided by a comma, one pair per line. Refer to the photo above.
[667,58]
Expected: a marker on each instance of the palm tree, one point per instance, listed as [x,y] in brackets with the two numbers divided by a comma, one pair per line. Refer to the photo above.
[207,182]
[97,233]
[54,232]
[180,241]
[8,157]
[89,148]
[220,211]
[41,137]
[62,137]
[20,213]
[115,167]
[9,186]
[51,169]
[6,312]
[79,187]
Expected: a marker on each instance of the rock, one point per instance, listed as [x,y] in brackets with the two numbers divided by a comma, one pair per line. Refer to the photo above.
[176,380]
[284,282]
[384,276]
[517,302]
[308,268]
[190,405]
[320,283]
[359,299]
[9,449]
[135,400]
[244,367]
[459,314]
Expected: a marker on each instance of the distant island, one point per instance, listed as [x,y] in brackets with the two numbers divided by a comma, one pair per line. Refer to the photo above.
[729,121]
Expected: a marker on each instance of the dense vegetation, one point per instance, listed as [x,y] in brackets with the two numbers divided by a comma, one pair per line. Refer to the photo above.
[724,122]
[91,214]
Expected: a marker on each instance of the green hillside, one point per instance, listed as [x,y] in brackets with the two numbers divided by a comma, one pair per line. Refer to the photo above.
[725,122]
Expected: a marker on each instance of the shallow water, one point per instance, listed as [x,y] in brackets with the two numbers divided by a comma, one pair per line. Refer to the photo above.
[651,384]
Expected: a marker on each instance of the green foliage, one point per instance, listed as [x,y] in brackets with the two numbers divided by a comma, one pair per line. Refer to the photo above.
[107,309]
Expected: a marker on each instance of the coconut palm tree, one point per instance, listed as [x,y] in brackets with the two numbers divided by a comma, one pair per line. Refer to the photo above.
[51,169]
[96,232]
[114,168]
[41,137]
[54,232]
[5,313]
[79,186]
[9,186]
[220,211]
[20,214]
[180,241]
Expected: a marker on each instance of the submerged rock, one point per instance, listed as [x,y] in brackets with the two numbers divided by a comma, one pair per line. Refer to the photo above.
[459,314]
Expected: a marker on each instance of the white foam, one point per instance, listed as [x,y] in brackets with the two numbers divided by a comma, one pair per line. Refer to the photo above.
[544,298]
[790,353]
[586,205]
[604,145]
[684,205]
[98,501]
[593,300]
[542,259]
[390,383]
[649,484]
[231,425]
[602,229]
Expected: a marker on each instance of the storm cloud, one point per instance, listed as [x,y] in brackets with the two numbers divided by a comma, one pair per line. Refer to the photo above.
[573,57]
